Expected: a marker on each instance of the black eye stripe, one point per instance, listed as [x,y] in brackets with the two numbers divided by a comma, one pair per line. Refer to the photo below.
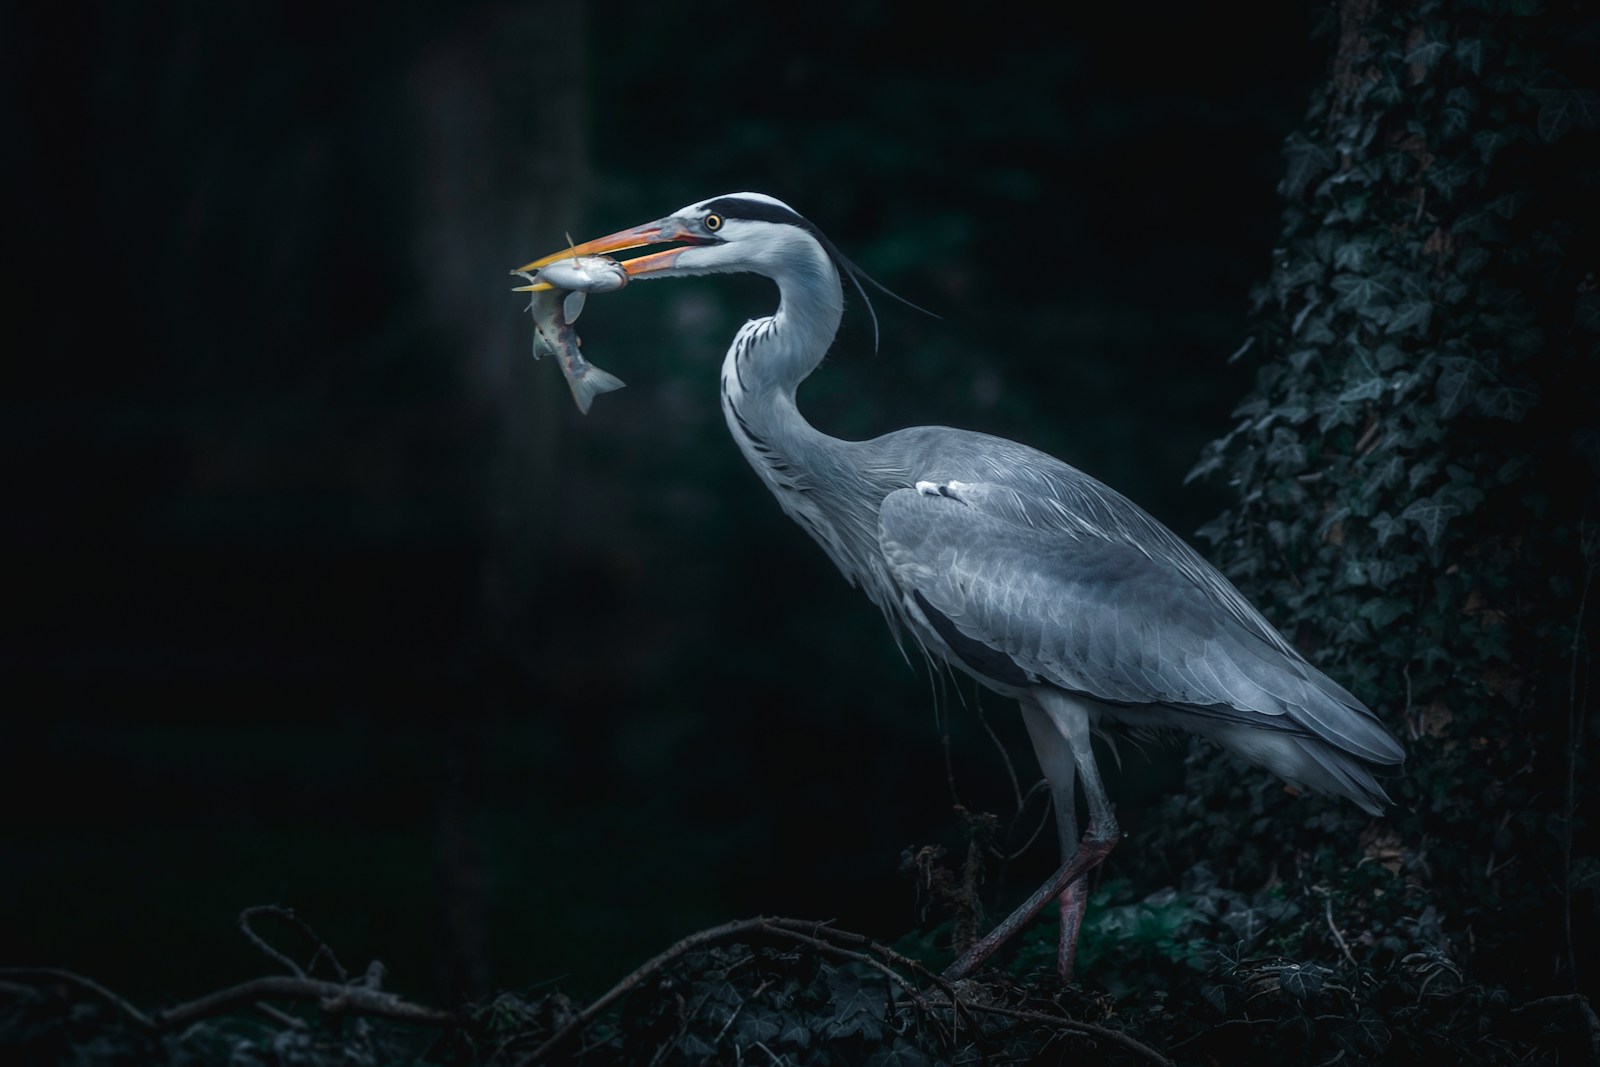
[735,207]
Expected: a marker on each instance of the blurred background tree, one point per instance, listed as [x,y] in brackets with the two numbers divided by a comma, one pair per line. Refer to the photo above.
[322,593]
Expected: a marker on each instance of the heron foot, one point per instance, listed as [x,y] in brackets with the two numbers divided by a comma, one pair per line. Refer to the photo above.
[1092,851]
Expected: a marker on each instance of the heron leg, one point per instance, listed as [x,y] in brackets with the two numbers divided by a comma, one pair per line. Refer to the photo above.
[1058,724]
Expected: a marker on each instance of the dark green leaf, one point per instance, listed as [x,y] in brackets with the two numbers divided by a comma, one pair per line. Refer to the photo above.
[1488,143]
[1305,161]
[1360,290]
[1471,260]
[1505,401]
[900,1054]
[1383,610]
[1386,473]
[1366,389]
[856,1010]
[1561,110]
[1386,526]
[1454,389]
[1431,516]
[1352,255]
[1286,450]
[1414,315]
[1427,54]
[1364,1037]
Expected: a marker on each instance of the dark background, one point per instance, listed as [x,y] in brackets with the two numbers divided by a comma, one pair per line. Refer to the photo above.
[320,592]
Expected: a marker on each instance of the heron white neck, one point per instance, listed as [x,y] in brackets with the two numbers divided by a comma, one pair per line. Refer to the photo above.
[807,470]
[770,357]
[775,354]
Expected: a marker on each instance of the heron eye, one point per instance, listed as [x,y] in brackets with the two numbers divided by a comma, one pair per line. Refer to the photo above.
[713,222]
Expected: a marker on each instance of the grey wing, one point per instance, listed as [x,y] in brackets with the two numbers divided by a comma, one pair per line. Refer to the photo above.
[1097,615]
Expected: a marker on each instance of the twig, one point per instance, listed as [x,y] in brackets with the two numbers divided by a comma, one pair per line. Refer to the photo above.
[287,915]
[816,934]
[1367,436]
[279,1016]
[638,977]
[844,953]
[331,997]
[82,983]
[1116,1037]
[1337,936]
[1005,756]
[1584,1008]
[1044,820]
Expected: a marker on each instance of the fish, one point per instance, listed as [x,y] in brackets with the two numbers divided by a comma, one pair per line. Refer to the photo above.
[556,307]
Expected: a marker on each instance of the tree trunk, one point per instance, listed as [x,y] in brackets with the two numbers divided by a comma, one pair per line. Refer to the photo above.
[1417,466]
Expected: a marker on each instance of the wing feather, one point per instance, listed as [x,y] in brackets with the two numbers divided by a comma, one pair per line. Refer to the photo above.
[1083,599]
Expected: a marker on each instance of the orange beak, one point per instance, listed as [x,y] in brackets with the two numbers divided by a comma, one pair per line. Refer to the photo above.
[662,231]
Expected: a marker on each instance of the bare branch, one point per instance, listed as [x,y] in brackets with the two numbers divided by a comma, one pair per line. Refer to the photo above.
[1115,1037]
[332,997]
[81,982]
[247,917]
[638,977]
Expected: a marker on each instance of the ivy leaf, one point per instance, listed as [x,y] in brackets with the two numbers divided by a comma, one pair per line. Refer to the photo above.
[1489,142]
[1285,449]
[1415,314]
[1389,356]
[1365,1037]
[794,1030]
[757,1024]
[1432,516]
[1218,529]
[1212,461]
[1385,474]
[1471,260]
[1319,333]
[1562,110]
[1352,255]
[1382,610]
[1508,204]
[1299,982]
[1454,388]
[1358,291]
[1305,161]
[855,1010]
[1386,526]
[1300,360]
[1427,54]
[1469,53]
[900,1054]
[1366,389]
[1505,402]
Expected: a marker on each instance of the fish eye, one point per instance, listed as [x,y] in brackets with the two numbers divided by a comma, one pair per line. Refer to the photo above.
[713,222]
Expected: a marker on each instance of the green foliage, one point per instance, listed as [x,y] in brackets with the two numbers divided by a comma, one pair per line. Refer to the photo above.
[818,1005]
[1416,480]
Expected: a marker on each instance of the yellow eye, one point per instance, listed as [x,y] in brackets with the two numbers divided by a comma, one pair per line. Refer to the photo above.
[713,222]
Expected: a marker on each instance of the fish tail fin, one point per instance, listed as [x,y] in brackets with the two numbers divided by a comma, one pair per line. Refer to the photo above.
[591,385]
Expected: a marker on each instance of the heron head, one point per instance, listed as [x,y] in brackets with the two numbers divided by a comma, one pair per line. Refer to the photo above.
[722,235]
[732,233]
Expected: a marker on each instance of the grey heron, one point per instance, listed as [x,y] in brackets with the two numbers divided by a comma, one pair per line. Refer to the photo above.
[1006,563]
